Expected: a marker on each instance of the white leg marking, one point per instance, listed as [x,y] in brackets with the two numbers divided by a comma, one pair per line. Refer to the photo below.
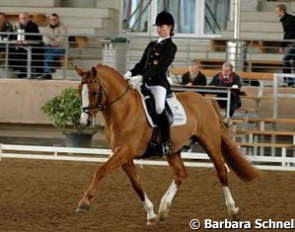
[227,168]
[166,200]
[229,201]
[149,208]
[85,103]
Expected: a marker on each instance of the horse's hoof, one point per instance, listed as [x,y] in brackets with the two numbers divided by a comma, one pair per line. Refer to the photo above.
[163,215]
[235,215]
[153,221]
[164,211]
[82,208]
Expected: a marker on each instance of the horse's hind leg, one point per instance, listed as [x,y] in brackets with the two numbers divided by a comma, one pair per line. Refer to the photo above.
[132,173]
[177,165]
[215,154]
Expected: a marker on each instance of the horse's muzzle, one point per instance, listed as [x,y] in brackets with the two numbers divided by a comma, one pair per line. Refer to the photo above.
[87,120]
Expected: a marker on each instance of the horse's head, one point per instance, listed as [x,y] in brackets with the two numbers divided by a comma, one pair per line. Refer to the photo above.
[100,87]
[91,92]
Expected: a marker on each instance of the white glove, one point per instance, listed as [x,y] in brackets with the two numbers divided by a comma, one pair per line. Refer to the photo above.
[135,81]
[235,86]
[127,75]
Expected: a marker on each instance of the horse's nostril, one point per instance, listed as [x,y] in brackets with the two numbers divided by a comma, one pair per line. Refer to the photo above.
[88,122]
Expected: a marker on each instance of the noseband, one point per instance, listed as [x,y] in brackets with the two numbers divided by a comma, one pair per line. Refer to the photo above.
[101,91]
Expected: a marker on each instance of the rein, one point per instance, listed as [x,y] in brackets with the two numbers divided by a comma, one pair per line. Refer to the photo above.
[101,91]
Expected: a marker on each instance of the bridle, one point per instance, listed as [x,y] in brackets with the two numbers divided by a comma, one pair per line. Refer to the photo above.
[101,92]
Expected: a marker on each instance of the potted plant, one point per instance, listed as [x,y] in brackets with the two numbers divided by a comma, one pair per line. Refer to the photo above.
[65,110]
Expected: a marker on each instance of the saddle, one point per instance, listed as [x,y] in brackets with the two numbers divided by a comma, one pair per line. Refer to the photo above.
[150,105]
[173,109]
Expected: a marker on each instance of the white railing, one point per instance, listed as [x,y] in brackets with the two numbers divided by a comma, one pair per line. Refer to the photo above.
[192,159]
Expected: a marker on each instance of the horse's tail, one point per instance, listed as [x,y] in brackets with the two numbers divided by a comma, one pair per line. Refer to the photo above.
[231,153]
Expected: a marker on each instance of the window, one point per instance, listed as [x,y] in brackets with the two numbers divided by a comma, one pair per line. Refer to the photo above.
[184,12]
[192,17]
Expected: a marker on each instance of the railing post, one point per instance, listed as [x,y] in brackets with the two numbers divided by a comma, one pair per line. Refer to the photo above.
[7,55]
[1,151]
[29,61]
[66,58]
[237,19]
[275,95]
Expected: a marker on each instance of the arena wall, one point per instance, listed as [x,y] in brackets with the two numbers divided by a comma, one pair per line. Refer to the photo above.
[21,100]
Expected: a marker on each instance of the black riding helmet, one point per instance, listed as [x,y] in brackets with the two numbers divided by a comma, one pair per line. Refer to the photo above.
[164,18]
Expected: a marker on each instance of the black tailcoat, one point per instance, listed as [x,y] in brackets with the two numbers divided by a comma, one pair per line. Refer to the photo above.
[154,63]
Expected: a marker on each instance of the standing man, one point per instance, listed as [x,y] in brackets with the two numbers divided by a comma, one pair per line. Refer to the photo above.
[54,38]
[228,78]
[288,23]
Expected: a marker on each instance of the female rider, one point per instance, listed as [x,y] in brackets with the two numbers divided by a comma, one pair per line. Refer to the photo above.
[153,66]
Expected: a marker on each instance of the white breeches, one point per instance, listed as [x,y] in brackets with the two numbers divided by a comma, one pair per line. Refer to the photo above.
[159,94]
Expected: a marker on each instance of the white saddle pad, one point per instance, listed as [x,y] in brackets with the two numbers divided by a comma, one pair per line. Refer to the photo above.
[179,115]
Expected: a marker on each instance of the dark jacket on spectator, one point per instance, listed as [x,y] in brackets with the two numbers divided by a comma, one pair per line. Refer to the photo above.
[288,23]
[4,33]
[233,79]
[6,28]
[31,27]
[18,54]
[200,79]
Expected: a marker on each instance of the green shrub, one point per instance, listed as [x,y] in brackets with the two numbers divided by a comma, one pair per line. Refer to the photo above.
[64,110]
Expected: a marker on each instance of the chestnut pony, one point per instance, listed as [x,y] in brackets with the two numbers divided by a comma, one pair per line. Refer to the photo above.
[128,133]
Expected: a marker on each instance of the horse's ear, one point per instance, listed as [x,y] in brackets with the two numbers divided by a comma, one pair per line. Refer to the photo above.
[78,71]
[93,71]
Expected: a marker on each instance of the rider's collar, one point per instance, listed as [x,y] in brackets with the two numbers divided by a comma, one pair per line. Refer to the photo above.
[163,38]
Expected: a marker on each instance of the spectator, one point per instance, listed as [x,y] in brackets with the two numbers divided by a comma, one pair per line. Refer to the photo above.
[227,78]
[32,38]
[288,23]
[5,29]
[54,38]
[194,76]
[5,26]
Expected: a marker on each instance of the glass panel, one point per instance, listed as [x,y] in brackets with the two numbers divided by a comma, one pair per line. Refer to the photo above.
[217,14]
[184,12]
[135,15]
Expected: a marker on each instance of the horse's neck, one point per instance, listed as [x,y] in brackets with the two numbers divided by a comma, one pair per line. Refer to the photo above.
[114,89]
[123,102]
[121,114]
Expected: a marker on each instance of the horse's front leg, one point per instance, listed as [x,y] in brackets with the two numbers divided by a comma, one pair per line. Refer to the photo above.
[132,173]
[116,160]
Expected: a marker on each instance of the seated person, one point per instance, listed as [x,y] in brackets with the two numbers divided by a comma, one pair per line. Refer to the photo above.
[54,38]
[194,76]
[5,26]
[18,53]
[228,78]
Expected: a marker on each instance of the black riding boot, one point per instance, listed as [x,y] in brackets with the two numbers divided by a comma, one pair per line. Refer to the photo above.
[164,127]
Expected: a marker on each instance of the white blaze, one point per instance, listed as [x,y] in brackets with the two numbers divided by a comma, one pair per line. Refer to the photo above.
[85,103]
